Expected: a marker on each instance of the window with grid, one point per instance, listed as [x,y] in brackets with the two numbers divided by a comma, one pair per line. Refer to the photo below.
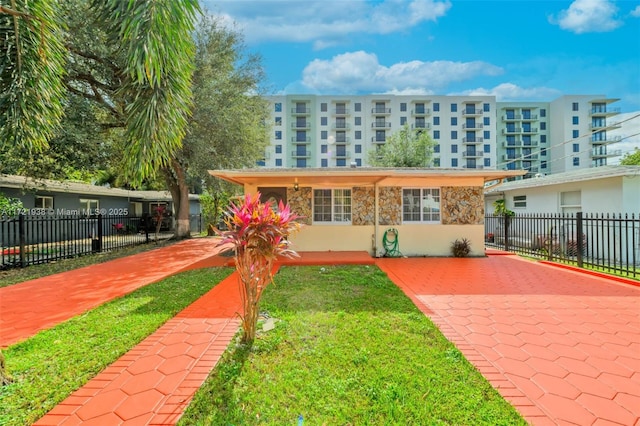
[332,205]
[421,205]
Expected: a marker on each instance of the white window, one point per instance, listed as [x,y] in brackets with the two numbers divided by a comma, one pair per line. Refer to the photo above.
[332,205]
[571,201]
[520,201]
[421,205]
[43,202]
[89,206]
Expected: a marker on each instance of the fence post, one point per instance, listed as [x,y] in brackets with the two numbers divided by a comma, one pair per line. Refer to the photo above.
[22,238]
[507,220]
[580,242]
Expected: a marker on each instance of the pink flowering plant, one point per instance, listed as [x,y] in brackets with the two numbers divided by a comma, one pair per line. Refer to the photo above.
[259,234]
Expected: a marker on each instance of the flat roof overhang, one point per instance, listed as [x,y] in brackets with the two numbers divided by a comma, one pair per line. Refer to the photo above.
[362,176]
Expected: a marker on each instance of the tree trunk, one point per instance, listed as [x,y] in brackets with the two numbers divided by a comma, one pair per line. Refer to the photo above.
[176,179]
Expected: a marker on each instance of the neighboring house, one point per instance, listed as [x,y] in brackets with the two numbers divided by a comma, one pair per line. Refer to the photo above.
[606,189]
[73,198]
[352,208]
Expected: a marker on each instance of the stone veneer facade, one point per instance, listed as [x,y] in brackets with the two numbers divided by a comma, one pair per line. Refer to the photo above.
[459,205]
[462,205]
[300,203]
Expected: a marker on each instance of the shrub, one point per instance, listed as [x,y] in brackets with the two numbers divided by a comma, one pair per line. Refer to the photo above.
[461,248]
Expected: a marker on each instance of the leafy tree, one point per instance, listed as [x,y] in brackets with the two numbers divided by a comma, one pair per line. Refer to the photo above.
[631,158]
[9,206]
[227,126]
[141,73]
[405,148]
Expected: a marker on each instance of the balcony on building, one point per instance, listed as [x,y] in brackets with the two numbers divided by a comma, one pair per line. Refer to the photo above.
[380,124]
[301,140]
[512,131]
[300,153]
[420,111]
[418,126]
[597,139]
[469,153]
[472,140]
[520,142]
[342,139]
[477,166]
[600,108]
[378,140]
[529,117]
[340,125]
[381,110]
[300,110]
[301,125]
[602,125]
[342,154]
[471,111]
[603,152]
[341,109]
[472,126]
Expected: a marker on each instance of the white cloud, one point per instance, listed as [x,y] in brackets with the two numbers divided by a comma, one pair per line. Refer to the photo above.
[511,92]
[361,71]
[635,12]
[587,16]
[326,23]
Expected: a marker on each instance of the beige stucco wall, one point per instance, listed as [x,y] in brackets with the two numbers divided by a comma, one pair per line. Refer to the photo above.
[435,240]
[334,238]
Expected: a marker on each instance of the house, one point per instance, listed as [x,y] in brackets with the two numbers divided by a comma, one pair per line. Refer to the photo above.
[74,198]
[347,209]
[606,189]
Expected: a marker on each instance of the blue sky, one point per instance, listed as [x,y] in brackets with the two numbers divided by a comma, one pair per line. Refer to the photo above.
[515,50]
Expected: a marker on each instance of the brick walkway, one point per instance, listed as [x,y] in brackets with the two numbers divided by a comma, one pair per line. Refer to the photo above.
[563,347]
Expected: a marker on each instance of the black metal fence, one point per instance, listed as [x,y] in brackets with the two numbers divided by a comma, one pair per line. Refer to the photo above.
[604,242]
[32,239]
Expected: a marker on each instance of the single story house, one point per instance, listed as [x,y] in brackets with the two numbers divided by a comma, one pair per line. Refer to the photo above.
[352,209]
[605,189]
[75,198]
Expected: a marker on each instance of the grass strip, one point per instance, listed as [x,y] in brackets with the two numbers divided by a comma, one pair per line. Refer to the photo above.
[55,362]
[348,347]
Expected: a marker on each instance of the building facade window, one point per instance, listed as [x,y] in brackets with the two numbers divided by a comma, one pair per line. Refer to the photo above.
[543,125]
[454,107]
[574,106]
[543,138]
[520,201]
[278,162]
[324,135]
[576,161]
[486,134]
[89,206]
[403,121]
[358,162]
[454,135]
[436,106]
[357,107]
[487,162]
[324,162]
[323,107]
[436,121]
[277,107]
[43,202]
[403,106]
[575,133]
[543,112]
[576,147]
[332,205]
[323,121]
[358,121]
[278,121]
[421,205]
[358,149]
[454,162]
[358,134]
[486,107]
[487,148]
[436,134]
[436,148]
[454,121]
[278,135]
[575,120]
[486,121]
[323,149]
[454,149]
[278,149]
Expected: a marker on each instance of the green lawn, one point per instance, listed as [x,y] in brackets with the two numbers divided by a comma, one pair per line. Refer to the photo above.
[55,362]
[349,348]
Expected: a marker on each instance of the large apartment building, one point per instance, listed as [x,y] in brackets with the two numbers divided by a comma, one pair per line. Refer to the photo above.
[469,131]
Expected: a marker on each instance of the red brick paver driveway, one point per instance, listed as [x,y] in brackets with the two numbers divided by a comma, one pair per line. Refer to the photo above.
[563,347]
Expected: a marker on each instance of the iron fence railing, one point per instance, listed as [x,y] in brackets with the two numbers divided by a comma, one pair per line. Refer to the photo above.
[605,242]
[32,239]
